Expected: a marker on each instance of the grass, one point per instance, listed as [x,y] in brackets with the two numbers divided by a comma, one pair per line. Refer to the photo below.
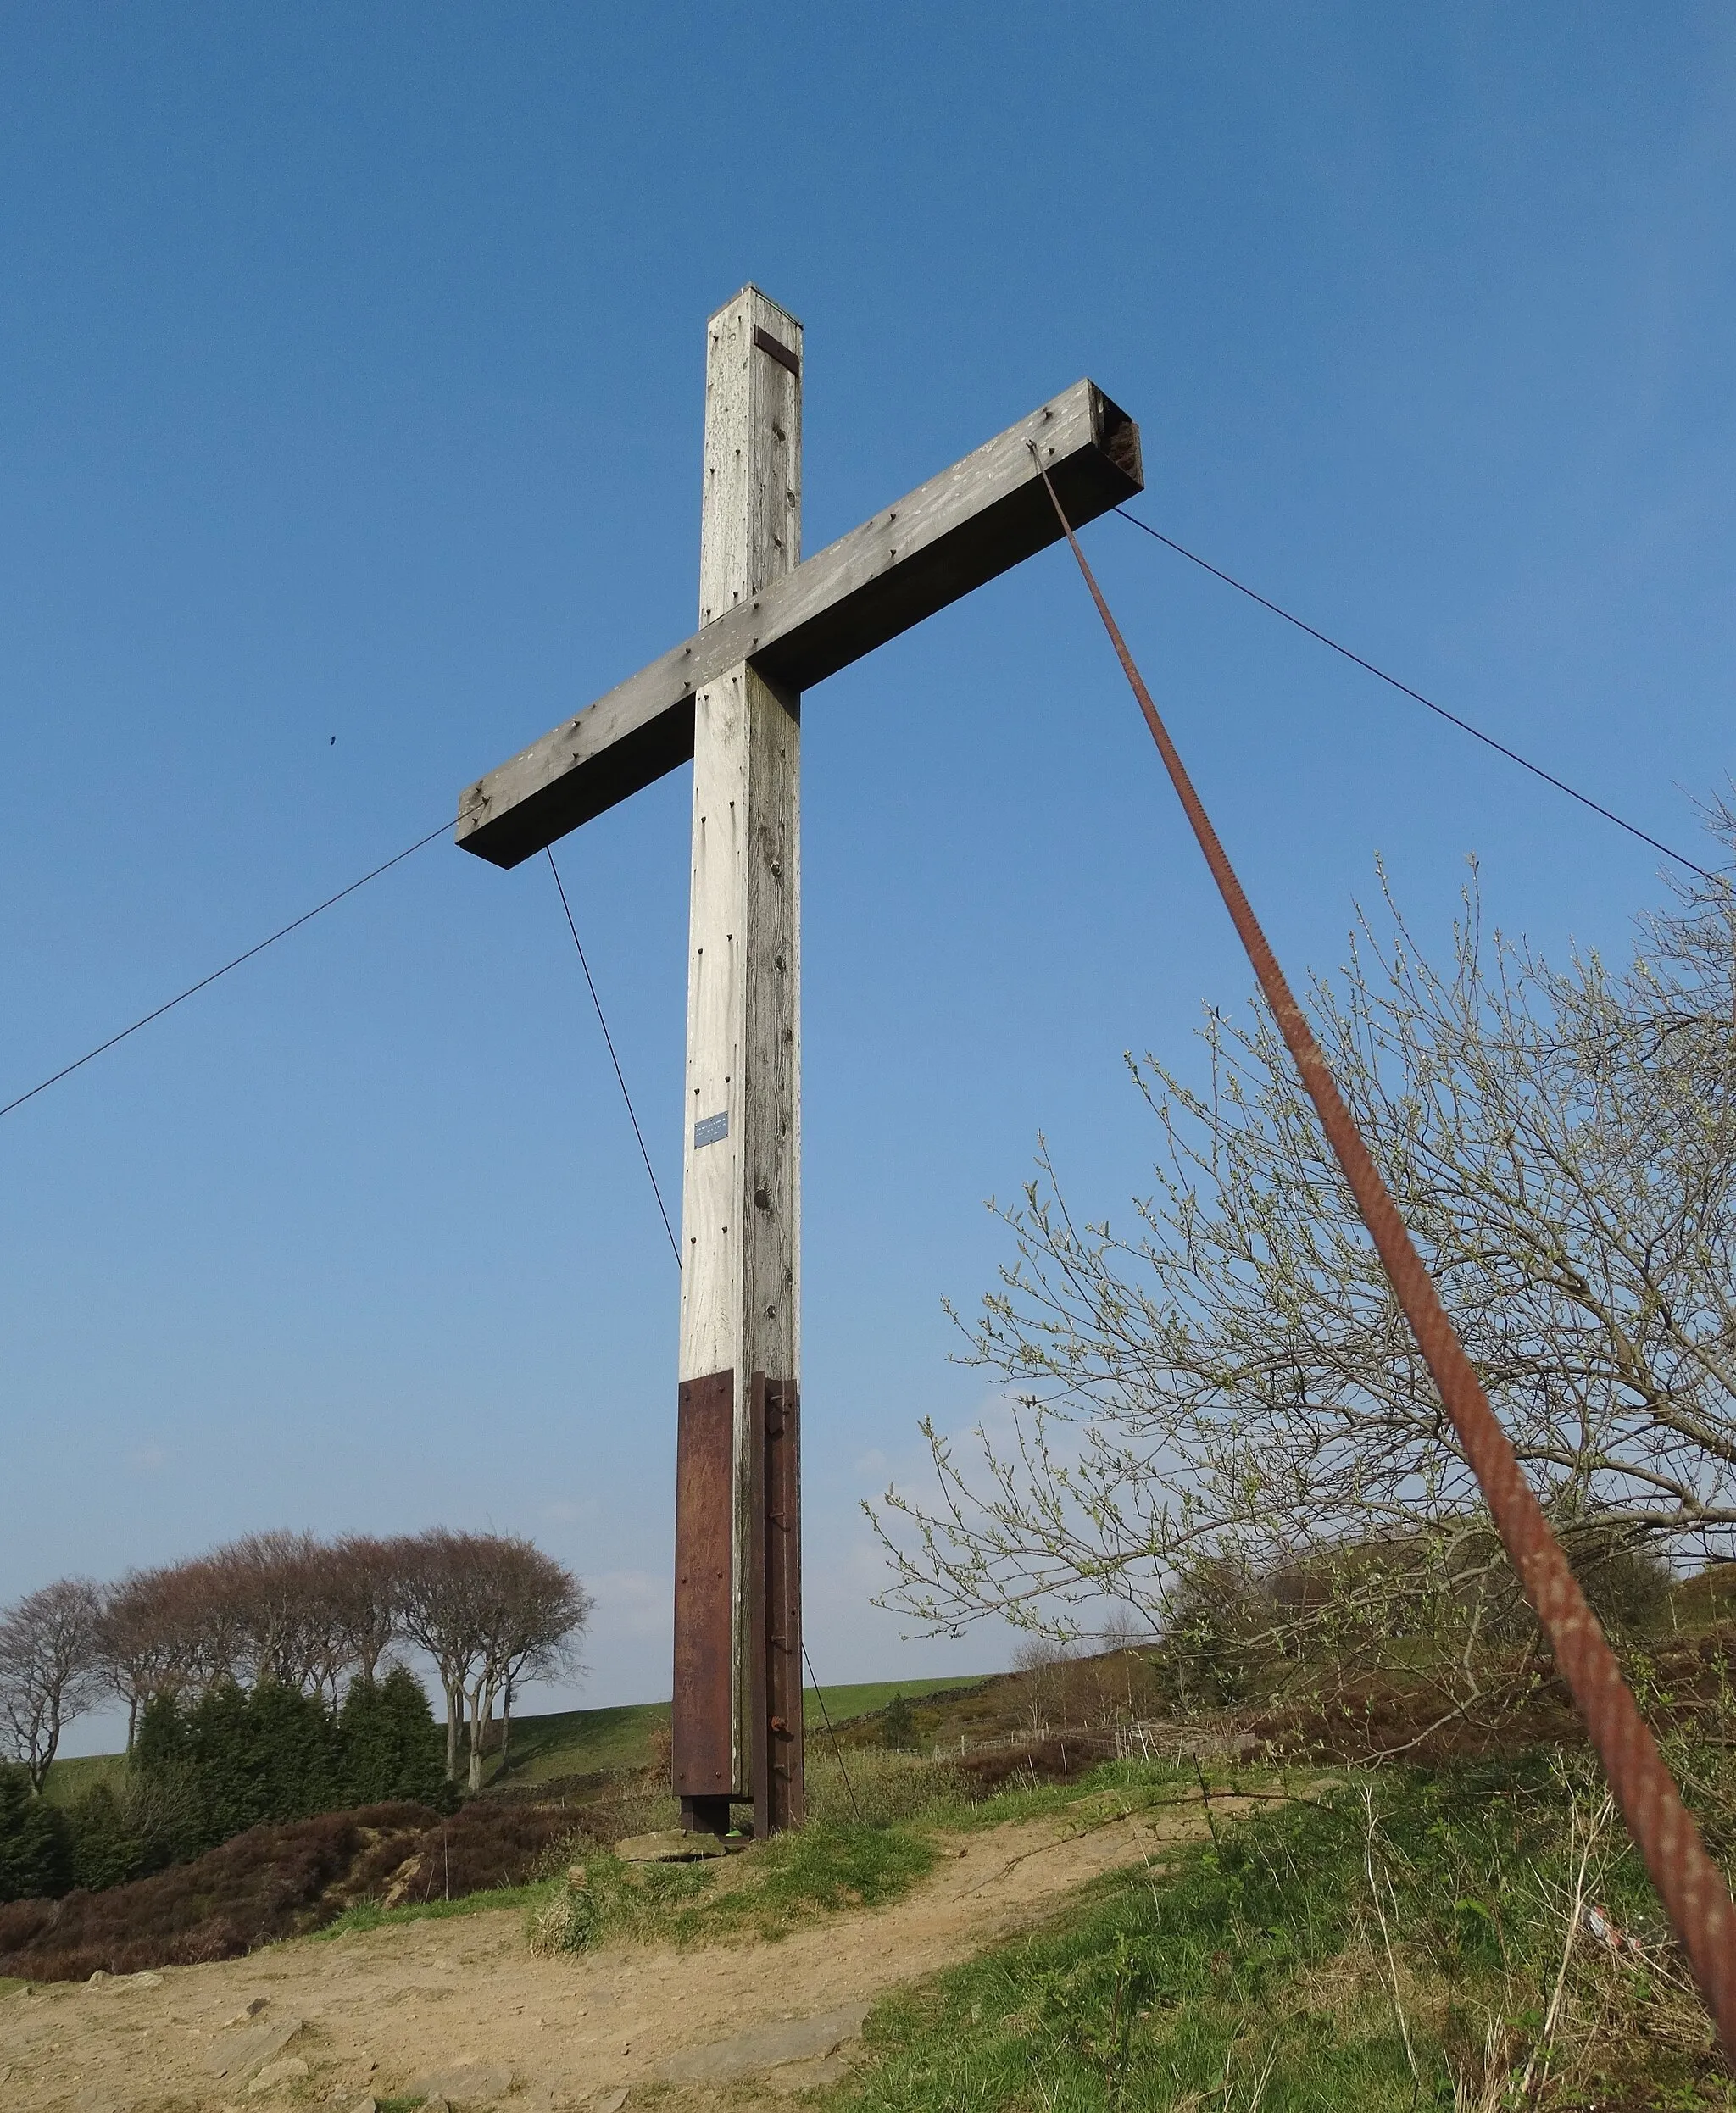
[69,1780]
[844,1704]
[583,1741]
[598,1742]
[865,1853]
[1254,1970]
[368,1915]
[766,1893]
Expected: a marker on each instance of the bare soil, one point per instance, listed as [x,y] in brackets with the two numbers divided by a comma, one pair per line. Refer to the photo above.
[462,2003]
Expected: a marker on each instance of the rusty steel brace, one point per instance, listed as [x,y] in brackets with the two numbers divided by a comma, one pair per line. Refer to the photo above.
[1690,1884]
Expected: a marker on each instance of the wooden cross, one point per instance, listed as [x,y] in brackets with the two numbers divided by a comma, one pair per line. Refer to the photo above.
[770,626]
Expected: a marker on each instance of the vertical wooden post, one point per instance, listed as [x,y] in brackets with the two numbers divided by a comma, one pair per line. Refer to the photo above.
[785,1797]
[741,1216]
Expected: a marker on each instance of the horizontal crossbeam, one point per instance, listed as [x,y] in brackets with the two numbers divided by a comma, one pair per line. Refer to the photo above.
[972,522]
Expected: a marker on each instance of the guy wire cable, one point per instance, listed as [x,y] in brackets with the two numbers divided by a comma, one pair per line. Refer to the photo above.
[825,1718]
[1690,1884]
[204,981]
[674,1244]
[1440,711]
[1134,521]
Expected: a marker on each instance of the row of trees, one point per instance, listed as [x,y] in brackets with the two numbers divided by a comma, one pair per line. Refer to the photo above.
[206,1768]
[1216,1416]
[287,1611]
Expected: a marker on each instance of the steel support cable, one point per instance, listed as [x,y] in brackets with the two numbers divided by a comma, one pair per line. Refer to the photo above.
[674,1244]
[193,990]
[1428,704]
[826,1715]
[1689,1884]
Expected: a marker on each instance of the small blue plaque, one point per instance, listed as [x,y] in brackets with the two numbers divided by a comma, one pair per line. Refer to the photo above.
[711,1130]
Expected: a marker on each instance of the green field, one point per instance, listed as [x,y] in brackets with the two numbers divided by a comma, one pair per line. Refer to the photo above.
[70,1779]
[584,1741]
[843,1704]
[588,1741]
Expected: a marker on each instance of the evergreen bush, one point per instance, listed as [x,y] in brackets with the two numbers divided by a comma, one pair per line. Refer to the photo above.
[107,1849]
[205,1770]
[240,1758]
[390,1746]
[36,1842]
[898,1726]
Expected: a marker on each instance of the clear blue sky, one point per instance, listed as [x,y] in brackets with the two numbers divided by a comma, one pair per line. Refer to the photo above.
[352,385]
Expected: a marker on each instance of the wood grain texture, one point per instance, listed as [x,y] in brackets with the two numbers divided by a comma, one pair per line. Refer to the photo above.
[750,514]
[740,1191]
[960,529]
[784,1774]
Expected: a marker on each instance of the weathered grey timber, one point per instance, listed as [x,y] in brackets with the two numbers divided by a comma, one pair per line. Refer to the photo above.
[730,699]
[972,522]
[741,1175]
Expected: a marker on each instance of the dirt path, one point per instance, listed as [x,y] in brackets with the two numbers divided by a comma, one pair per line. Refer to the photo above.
[460,2009]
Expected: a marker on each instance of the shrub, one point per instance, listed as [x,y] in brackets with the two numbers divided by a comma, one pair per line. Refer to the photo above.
[35,1840]
[481,1847]
[258,1758]
[274,1882]
[107,1849]
[1210,1652]
[269,1882]
[235,1758]
[898,1726]
[390,1746]
[1627,1581]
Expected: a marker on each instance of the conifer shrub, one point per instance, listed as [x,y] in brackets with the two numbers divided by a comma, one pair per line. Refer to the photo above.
[35,1840]
[108,1847]
[389,1745]
[255,1757]
[897,1726]
[237,1758]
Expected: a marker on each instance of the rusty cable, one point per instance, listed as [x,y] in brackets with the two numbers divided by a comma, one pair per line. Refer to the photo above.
[1690,1884]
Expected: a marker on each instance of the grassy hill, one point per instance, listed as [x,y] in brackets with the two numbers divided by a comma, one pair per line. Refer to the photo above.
[593,1742]
[585,1742]
[70,1779]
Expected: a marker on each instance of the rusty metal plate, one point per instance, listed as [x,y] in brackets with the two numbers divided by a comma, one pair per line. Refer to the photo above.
[786,1785]
[704,1506]
[782,353]
[759,1756]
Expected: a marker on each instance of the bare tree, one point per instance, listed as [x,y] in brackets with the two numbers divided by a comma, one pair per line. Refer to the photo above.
[272,1588]
[50,1669]
[1048,1667]
[491,1612]
[444,1613]
[363,1596]
[1225,1389]
[143,1641]
[536,1610]
[277,1606]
